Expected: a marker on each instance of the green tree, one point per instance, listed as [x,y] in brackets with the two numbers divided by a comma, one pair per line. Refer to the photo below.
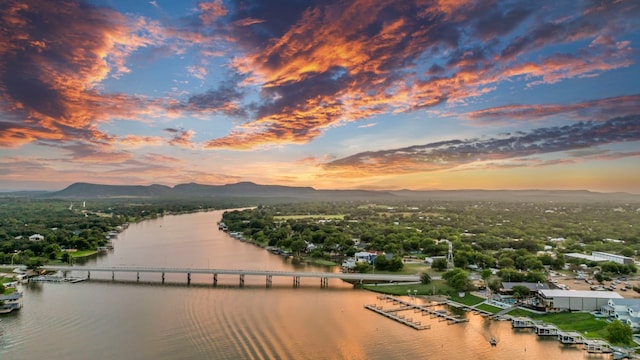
[439,264]
[520,292]
[457,279]
[425,278]
[619,333]
[627,251]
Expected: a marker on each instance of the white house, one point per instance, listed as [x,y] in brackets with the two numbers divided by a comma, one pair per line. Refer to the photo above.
[625,310]
[36,237]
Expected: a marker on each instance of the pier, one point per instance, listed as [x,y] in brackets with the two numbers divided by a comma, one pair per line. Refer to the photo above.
[425,309]
[399,318]
[241,273]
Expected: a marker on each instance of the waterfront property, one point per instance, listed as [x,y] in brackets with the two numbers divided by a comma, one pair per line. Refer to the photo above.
[625,310]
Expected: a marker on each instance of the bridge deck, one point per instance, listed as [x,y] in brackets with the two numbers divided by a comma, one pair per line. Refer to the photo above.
[273,273]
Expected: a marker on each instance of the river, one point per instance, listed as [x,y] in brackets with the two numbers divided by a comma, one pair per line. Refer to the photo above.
[124,319]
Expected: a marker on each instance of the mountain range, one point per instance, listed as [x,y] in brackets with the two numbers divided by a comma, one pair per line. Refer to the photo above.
[251,190]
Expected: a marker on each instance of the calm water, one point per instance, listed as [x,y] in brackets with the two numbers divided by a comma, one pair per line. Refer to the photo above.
[122,319]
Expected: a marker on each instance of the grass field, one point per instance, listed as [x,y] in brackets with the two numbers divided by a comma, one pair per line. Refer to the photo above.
[582,322]
[436,287]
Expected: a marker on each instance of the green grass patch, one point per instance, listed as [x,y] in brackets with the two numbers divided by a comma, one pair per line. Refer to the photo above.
[322,262]
[83,253]
[489,308]
[468,299]
[582,322]
[436,287]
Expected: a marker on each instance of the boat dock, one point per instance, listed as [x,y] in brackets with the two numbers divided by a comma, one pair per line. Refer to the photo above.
[399,318]
[593,346]
[423,309]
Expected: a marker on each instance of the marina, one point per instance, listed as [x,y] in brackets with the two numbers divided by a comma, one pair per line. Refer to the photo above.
[423,309]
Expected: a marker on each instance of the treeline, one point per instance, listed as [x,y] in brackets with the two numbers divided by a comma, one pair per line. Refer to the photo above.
[484,234]
[75,225]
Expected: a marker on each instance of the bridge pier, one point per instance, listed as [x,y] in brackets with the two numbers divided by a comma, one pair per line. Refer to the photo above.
[269,280]
[241,280]
[215,279]
[113,275]
[163,277]
[324,282]
[188,278]
[138,276]
[296,281]
[88,275]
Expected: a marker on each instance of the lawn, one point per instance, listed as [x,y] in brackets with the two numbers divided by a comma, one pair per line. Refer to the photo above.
[436,287]
[488,308]
[468,299]
[82,253]
[583,322]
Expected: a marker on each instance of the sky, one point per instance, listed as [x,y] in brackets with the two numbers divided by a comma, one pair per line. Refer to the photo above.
[347,94]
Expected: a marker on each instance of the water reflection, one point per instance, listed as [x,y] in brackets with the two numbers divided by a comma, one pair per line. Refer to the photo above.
[125,319]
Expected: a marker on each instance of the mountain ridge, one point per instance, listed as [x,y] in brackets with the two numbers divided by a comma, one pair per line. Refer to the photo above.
[252,190]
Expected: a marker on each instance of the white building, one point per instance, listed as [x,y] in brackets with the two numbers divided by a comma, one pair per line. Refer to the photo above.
[613,257]
[581,300]
[625,310]
[36,237]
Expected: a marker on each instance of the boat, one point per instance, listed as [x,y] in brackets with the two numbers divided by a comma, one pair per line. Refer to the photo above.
[493,341]
[11,302]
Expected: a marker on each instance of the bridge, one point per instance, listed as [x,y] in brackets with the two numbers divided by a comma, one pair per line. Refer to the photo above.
[268,274]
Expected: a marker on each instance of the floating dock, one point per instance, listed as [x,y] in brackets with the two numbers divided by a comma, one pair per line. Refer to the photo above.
[399,318]
[424,309]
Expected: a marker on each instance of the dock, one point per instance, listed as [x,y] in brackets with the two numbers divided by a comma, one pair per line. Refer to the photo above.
[570,337]
[423,309]
[399,318]
[523,323]
[546,330]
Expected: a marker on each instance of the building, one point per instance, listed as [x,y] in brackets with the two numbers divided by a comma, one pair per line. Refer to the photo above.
[613,257]
[507,287]
[625,310]
[36,237]
[597,256]
[575,300]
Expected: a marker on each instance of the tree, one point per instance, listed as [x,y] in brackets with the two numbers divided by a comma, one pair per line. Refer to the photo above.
[425,278]
[520,292]
[619,333]
[439,264]
[627,251]
[457,279]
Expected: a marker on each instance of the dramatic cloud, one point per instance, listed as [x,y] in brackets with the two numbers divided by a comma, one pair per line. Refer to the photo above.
[600,109]
[323,64]
[53,57]
[455,153]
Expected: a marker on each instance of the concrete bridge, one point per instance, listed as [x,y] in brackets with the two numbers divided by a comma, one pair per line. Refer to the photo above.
[268,274]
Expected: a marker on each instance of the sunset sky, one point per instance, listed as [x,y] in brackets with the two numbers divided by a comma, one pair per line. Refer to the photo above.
[350,94]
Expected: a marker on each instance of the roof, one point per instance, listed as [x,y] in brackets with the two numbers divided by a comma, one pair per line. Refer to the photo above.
[625,302]
[585,257]
[580,293]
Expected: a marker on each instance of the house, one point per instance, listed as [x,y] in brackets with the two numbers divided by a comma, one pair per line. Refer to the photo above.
[364,256]
[625,310]
[36,237]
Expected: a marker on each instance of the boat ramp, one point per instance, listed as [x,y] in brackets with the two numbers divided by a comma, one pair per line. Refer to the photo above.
[423,309]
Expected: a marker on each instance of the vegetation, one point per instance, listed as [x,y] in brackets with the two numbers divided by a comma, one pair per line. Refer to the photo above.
[619,333]
[74,228]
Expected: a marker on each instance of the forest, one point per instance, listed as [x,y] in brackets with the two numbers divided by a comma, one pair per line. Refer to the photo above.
[522,236]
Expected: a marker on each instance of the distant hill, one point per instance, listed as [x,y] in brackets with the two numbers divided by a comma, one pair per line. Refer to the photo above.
[249,190]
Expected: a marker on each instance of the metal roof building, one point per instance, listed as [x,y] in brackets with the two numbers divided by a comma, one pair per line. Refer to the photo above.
[581,300]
